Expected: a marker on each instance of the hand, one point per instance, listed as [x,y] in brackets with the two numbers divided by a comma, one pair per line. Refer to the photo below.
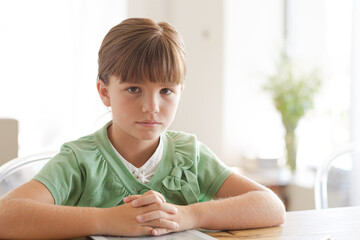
[146,199]
[185,217]
[126,220]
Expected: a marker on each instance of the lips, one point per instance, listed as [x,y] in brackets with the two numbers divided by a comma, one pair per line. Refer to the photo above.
[149,123]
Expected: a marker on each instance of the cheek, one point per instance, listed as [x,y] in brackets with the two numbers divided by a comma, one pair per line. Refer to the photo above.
[171,107]
[123,108]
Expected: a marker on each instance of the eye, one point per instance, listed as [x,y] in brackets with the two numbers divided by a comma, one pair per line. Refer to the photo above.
[133,89]
[166,91]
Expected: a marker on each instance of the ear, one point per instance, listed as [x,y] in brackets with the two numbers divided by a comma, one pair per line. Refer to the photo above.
[103,92]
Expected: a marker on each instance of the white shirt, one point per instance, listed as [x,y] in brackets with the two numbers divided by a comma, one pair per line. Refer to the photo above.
[144,173]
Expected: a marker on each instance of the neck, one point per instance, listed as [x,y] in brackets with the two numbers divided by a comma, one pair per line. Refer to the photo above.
[135,151]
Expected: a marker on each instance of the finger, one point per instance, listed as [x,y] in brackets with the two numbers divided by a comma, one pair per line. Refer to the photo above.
[152,192]
[154,215]
[145,230]
[130,198]
[162,223]
[146,200]
[160,231]
[166,207]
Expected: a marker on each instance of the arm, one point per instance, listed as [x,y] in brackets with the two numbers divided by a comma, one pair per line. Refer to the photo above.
[241,204]
[29,212]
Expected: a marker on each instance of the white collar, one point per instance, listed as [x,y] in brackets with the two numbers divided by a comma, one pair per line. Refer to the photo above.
[145,172]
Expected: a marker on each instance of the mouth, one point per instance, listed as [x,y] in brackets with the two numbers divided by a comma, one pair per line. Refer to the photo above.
[149,124]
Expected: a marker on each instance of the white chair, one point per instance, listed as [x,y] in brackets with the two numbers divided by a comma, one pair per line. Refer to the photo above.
[20,170]
[322,173]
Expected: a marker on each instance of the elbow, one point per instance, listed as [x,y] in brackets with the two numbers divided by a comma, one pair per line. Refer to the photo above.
[275,217]
[281,216]
[277,211]
[280,213]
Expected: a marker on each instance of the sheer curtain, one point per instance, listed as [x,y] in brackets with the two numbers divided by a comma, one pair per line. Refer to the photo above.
[48,66]
[355,99]
[320,36]
[252,38]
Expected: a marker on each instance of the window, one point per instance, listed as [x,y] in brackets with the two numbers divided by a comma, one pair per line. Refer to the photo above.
[49,67]
[319,34]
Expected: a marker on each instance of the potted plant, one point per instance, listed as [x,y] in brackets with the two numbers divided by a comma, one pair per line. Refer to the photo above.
[293,95]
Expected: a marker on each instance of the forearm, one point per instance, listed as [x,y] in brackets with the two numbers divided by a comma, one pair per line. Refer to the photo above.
[24,218]
[251,210]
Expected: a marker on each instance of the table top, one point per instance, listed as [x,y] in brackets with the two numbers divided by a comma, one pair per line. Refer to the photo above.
[338,223]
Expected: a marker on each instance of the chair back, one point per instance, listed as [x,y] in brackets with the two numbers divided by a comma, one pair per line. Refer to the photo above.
[322,173]
[21,170]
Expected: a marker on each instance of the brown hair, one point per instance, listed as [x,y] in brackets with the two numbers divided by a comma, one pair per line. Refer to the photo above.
[138,49]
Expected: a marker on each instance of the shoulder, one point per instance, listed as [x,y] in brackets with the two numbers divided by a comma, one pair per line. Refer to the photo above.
[183,144]
[72,151]
[179,137]
[83,151]
[186,141]
[84,144]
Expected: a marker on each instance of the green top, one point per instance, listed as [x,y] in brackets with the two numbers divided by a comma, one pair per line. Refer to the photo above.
[87,172]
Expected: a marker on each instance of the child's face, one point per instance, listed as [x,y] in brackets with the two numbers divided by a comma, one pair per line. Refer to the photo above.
[141,110]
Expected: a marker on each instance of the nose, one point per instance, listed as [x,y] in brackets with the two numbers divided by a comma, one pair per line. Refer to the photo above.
[151,104]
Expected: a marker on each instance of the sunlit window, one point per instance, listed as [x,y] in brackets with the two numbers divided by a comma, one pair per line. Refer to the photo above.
[49,66]
[319,36]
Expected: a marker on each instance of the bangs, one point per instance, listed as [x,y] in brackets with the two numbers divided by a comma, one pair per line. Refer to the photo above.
[155,61]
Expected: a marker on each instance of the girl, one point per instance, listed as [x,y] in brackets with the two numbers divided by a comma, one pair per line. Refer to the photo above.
[134,177]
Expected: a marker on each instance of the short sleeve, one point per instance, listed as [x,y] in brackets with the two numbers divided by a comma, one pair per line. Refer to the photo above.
[211,173]
[62,176]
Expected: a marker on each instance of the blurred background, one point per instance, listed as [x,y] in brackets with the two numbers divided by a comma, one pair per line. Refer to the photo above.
[48,69]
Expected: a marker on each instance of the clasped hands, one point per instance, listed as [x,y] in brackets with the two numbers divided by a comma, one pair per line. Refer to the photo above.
[147,214]
[158,214]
